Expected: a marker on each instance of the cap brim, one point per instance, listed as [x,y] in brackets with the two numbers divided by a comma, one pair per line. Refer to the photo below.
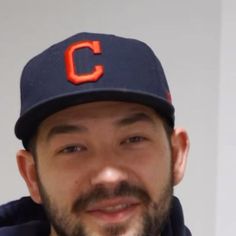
[28,123]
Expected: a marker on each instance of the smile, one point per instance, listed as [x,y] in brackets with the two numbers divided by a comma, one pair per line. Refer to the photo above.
[115,210]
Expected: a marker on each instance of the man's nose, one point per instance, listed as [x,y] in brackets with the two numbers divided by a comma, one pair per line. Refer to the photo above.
[109,175]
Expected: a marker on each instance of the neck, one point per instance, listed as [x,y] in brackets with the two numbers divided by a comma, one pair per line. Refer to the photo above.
[52,232]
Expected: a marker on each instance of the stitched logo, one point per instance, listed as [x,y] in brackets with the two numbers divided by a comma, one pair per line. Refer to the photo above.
[76,77]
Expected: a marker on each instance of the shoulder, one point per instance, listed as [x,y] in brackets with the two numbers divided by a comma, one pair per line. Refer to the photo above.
[22,217]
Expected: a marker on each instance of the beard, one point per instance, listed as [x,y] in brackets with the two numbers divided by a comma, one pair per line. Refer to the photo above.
[150,222]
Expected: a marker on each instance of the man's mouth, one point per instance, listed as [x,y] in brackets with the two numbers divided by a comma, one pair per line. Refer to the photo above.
[114,210]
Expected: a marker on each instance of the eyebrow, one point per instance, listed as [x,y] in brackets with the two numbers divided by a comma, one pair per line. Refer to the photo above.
[134,118]
[65,129]
[129,120]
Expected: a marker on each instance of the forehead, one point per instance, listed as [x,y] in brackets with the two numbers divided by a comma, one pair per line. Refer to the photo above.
[98,110]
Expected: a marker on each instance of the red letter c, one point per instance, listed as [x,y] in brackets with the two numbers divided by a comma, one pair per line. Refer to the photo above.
[98,70]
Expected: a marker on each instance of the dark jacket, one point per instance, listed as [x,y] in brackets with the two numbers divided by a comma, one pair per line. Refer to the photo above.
[25,218]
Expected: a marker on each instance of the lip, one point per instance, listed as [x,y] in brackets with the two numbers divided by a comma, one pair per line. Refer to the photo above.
[116,210]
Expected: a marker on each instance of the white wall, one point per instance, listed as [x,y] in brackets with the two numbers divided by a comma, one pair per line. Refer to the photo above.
[226,174]
[186,37]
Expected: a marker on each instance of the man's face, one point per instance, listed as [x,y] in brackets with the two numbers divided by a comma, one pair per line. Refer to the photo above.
[105,168]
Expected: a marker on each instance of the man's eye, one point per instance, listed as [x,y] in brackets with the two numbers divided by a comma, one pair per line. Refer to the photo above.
[134,139]
[73,148]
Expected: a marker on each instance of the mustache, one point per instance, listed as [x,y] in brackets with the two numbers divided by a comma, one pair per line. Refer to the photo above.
[100,192]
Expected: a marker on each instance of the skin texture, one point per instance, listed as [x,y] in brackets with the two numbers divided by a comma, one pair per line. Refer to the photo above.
[105,168]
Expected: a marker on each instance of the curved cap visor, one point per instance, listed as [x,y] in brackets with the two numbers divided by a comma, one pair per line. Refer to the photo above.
[26,126]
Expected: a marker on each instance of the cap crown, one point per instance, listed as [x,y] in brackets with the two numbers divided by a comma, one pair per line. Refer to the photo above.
[73,72]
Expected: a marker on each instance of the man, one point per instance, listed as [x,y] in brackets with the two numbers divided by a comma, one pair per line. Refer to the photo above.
[101,152]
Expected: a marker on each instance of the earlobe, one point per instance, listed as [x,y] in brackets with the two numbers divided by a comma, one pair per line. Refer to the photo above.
[27,168]
[180,148]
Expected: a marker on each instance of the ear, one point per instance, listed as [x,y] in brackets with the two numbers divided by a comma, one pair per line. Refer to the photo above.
[27,167]
[180,148]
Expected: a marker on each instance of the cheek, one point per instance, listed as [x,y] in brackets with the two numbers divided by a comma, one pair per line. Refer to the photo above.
[62,183]
[154,170]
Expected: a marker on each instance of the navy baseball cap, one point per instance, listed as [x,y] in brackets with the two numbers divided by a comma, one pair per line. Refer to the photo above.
[90,67]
